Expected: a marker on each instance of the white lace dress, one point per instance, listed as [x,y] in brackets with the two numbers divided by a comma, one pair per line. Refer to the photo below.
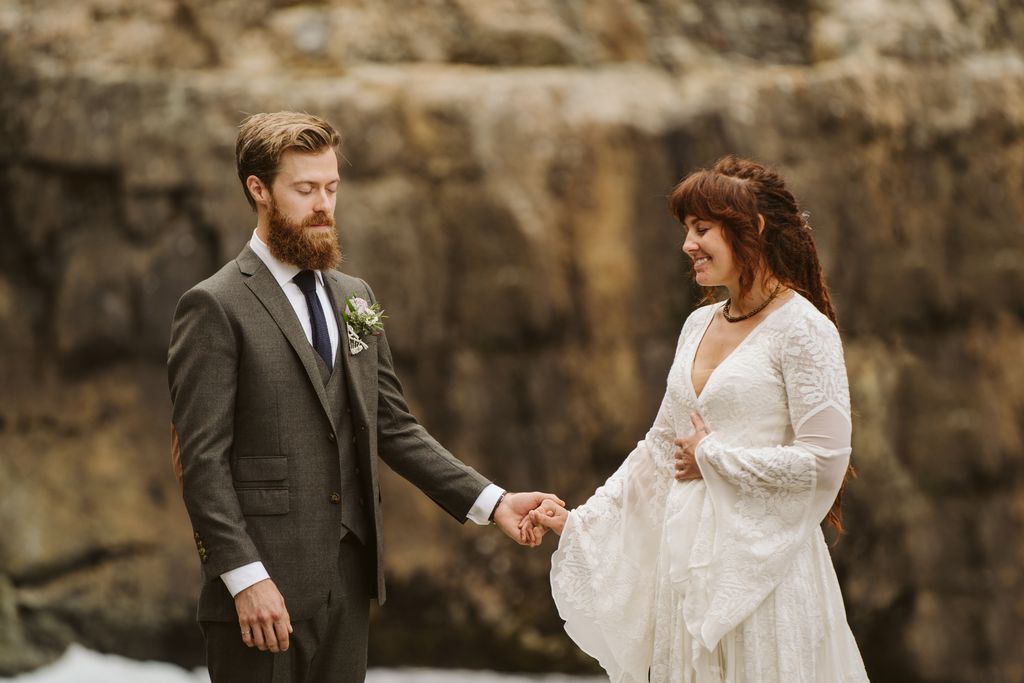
[726,578]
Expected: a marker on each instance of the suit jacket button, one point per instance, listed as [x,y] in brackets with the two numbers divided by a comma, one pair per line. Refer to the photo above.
[335,498]
[331,437]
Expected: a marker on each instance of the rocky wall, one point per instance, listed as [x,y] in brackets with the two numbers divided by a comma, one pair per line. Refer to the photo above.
[504,191]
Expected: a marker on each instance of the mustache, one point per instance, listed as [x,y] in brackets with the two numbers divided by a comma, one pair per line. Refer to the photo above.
[318,218]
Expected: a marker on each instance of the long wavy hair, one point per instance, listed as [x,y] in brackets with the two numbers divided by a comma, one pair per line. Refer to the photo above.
[737,193]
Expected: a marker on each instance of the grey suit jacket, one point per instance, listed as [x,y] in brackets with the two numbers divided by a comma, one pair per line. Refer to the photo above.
[258,448]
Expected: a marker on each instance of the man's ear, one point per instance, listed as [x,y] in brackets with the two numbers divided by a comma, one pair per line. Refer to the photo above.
[760,223]
[259,192]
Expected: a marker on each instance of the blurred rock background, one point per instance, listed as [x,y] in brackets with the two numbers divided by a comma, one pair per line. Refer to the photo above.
[504,192]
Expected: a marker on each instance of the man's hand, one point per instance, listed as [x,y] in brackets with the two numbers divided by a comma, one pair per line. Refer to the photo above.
[686,449]
[550,516]
[516,507]
[263,617]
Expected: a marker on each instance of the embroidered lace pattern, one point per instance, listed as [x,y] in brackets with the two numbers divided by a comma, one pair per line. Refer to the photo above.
[726,578]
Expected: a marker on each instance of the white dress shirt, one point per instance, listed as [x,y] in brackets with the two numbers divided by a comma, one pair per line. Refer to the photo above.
[242,577]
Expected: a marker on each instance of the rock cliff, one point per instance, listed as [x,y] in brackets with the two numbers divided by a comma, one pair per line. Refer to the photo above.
[504,190]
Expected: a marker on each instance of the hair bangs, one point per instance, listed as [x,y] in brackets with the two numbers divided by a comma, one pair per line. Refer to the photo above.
[712,196]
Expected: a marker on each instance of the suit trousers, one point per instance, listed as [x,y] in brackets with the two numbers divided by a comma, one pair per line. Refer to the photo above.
[330,647]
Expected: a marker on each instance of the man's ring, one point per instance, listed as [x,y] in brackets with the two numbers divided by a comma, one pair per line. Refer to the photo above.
[245,634]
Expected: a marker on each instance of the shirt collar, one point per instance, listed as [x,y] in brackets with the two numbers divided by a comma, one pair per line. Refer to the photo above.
[282,272]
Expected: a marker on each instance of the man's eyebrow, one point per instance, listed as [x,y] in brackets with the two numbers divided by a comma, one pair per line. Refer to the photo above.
[314,182]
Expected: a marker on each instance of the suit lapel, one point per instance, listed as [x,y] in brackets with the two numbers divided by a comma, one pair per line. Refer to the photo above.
[262,283]
[358,373]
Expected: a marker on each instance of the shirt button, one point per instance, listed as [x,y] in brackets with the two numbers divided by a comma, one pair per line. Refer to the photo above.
[331,437]
[335,498]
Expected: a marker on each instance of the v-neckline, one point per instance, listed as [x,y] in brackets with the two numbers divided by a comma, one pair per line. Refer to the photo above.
[707,326]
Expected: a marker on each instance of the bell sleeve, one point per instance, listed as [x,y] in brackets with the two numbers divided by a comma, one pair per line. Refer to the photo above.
[603,573]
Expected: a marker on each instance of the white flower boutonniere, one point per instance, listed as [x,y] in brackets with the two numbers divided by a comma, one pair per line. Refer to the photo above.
[362,320]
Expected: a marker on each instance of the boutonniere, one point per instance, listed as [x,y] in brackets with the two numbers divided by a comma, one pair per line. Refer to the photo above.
[362,320]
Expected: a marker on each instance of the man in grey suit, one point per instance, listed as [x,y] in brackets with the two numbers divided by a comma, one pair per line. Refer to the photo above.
[284,395]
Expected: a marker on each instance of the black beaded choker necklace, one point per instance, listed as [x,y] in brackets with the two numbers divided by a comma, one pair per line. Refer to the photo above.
[751,314]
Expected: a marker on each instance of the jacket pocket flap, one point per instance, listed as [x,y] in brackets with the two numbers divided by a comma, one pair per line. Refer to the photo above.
[263,468]
[263,501]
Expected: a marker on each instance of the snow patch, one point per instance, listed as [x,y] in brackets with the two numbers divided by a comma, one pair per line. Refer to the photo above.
[79,665]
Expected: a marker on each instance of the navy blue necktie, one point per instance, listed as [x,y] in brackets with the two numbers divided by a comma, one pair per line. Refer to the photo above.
[306,280]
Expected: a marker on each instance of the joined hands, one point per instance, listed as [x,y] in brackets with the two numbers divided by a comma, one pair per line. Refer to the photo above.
[513,513]
[548,515]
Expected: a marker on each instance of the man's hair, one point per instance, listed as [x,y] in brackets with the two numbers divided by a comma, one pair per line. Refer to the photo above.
[263,138]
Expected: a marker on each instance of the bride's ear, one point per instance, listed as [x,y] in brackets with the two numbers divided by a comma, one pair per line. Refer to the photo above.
[760,224]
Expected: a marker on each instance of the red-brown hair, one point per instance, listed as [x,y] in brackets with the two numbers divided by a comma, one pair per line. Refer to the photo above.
[737,193]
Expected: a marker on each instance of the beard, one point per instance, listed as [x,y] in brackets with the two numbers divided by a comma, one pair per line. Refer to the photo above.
[297,244]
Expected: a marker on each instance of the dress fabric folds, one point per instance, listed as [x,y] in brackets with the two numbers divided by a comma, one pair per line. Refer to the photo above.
[726,578]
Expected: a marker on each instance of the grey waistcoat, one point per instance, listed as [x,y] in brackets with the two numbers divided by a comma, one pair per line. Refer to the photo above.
[353,507]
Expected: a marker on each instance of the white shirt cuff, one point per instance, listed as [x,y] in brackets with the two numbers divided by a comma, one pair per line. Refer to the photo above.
[481,511]
[237,580]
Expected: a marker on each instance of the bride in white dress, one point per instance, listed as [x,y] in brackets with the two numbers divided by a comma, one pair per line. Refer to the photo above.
[702,559]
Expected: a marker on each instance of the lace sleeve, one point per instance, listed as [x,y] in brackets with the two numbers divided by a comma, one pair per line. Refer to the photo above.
[602,575]
[768,500]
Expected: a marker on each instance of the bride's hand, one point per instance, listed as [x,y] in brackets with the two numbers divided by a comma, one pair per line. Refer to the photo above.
[549,515]
[686,449]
